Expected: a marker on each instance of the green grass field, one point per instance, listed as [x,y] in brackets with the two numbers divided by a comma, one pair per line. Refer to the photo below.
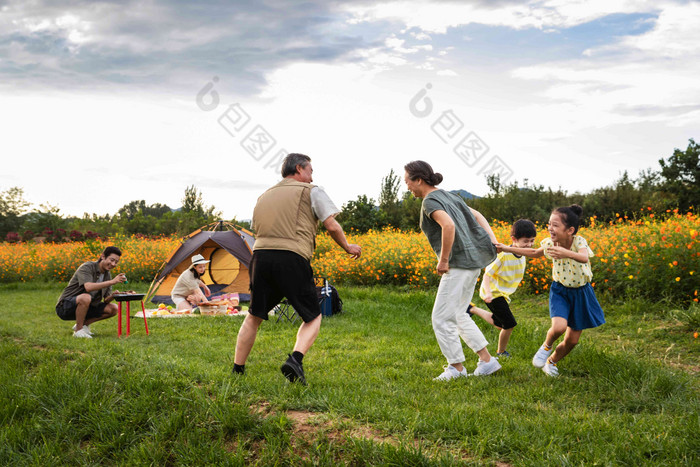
[628,394]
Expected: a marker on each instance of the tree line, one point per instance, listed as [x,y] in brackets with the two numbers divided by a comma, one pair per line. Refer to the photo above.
[134,218]
[674,185]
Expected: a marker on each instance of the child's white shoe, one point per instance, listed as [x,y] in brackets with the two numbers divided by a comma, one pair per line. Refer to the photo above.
[550,369]
[541,356]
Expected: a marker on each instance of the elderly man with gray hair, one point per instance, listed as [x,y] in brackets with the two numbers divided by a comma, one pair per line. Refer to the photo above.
[285,220]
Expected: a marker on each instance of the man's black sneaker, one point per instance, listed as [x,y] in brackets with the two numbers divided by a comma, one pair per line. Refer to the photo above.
[293,371]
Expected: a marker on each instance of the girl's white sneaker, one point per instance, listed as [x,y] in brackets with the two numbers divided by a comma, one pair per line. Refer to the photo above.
[541,356]
[550,369]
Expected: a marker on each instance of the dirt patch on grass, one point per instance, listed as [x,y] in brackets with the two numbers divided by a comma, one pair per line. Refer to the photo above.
[676,362]
[678,354]
[231,445]
[43,348]
[304,422]
[308,427]
[668,342]
[33,346]
[262,408]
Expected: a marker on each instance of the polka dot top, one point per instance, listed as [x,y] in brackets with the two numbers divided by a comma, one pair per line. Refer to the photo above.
[569,272]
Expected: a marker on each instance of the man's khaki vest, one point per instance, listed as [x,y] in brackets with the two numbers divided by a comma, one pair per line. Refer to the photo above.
[283,219]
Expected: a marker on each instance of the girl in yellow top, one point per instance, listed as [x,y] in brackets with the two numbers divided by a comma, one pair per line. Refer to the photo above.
[573,305]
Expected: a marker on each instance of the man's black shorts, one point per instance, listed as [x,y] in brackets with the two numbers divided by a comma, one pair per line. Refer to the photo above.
[66,309]
[278,274]
[502,316]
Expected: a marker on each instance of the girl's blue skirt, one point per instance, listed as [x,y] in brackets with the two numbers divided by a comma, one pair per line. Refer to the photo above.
[578,306]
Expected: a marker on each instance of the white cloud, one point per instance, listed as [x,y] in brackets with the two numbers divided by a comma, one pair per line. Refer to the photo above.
[67,26]
[394,42]
[675,35]
[421,36]
[447,73]
[394,54]
[437,17]
[623,82]
[396,46]
[379,58]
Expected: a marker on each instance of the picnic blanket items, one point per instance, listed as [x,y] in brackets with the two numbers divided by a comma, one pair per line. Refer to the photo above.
[216,307]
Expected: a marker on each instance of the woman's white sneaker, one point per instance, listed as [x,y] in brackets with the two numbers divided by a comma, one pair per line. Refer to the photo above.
[451,373]
[486,368]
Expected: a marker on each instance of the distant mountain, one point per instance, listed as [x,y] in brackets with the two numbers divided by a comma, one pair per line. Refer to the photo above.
[465,194]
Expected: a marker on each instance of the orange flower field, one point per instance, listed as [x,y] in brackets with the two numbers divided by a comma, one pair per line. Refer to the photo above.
[58,261]
[647,257]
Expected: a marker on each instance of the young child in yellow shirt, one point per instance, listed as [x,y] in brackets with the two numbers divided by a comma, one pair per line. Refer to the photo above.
[501,279]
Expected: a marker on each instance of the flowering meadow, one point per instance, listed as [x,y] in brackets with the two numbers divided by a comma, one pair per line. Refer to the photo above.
[58,261]
[644,257]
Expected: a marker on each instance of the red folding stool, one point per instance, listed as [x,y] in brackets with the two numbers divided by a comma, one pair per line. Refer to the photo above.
[128,298]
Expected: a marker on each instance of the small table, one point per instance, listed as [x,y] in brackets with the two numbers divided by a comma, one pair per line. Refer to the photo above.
[128,298]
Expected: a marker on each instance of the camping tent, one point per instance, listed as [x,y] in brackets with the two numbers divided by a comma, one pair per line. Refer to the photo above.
[229,251]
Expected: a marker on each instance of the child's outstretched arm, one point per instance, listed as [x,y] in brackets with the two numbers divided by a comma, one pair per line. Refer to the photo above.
[529,252]
[559,252]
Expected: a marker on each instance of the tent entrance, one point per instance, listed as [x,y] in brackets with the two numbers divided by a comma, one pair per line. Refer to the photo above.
[223,268]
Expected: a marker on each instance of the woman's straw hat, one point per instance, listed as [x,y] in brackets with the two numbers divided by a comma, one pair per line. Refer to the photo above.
[199,259]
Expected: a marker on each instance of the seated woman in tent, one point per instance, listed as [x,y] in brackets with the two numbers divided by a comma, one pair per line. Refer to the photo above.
[187,292]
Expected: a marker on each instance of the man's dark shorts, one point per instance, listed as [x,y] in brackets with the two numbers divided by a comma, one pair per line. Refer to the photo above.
[278,274]
[502,316]
[66,309]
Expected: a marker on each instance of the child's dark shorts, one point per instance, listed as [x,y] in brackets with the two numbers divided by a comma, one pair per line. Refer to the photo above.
[502,316]
[66,309]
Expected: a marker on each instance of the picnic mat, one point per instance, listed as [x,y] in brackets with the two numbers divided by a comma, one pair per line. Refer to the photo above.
[160,313]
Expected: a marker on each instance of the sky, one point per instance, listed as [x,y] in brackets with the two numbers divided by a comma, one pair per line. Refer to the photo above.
[103,103]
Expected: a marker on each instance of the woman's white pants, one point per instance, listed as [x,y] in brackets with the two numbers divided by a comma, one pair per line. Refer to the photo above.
[450,318]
